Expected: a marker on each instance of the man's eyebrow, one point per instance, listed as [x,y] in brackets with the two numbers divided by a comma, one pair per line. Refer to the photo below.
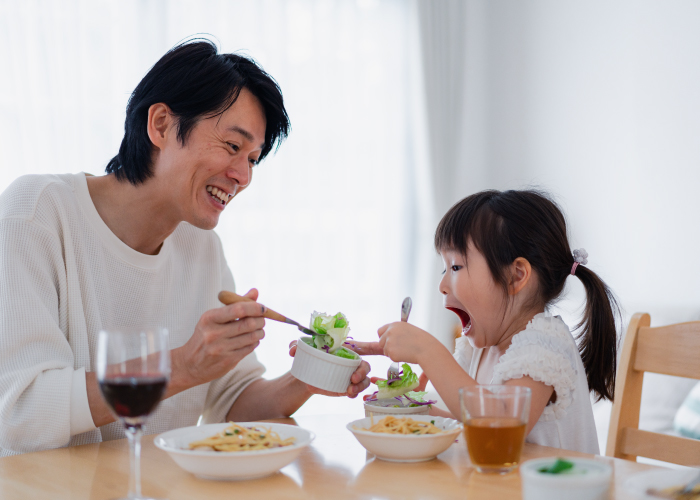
[244,133]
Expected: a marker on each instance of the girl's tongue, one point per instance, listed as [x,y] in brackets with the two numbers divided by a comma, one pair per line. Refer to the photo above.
[463,317]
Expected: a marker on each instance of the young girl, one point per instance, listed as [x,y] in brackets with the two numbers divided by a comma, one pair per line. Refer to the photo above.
[507,257]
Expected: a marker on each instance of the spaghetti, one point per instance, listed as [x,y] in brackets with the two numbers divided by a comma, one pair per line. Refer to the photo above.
[238,438]
[406,425]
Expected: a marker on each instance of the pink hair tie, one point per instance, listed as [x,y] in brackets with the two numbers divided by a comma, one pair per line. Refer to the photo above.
[580,257]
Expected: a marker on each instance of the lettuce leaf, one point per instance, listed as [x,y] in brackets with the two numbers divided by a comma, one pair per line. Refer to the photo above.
[332,330]
[345,353]
[408,382]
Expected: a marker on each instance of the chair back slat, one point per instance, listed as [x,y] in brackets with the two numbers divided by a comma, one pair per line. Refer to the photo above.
[670,350]
[677,450]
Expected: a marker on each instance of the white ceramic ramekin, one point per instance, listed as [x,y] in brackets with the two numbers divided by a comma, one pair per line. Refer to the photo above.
[592,483]
[320,369]
[383,407]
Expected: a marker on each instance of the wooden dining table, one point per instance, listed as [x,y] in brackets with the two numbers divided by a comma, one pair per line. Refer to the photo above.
[334,466]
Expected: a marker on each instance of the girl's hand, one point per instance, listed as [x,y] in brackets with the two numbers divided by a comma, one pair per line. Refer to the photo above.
[364,348]
[405,342]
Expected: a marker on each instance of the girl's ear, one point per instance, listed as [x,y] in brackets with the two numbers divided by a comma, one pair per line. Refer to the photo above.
[520,275]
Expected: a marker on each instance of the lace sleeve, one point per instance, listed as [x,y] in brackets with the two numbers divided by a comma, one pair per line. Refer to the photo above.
[544,352]
[463,352]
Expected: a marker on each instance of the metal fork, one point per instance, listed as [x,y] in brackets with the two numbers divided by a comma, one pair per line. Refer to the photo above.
[692,484]
[393,371]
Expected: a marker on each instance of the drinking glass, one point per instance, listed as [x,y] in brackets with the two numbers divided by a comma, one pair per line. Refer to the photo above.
[495,418]
[133,369]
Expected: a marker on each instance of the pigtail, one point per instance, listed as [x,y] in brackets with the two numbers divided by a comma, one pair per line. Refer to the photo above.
[598,334]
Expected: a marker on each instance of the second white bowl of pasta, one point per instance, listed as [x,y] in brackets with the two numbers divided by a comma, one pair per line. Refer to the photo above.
[406,439]
[244,450]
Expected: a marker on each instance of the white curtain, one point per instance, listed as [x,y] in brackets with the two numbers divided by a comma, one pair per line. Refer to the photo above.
[328,223]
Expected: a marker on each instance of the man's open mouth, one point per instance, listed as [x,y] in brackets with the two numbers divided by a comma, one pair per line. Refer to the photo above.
[221,196]
[463,317]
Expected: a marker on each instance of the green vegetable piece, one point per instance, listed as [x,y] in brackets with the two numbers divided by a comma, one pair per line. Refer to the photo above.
[318,325]
[559,466]
[345,353]
[408,382]
[340,321]
[236,431]
[432,422]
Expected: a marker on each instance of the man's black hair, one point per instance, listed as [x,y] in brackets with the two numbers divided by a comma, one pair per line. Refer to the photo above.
[195,82]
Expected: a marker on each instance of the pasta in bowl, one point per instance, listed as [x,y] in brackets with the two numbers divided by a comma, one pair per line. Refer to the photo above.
[405,439]
[245,450]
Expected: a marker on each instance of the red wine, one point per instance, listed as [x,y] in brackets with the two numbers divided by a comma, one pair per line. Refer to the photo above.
[133,396]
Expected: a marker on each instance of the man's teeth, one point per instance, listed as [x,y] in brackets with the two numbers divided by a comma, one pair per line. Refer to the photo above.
[217,193]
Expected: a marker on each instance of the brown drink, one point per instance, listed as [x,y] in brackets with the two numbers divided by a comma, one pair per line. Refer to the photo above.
[495,420]
[494,442]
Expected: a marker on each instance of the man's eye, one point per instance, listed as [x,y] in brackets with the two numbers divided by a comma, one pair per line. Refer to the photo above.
[254,162]
[233,146]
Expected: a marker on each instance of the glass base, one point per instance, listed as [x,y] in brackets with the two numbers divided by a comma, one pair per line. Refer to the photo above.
[495,469]
[138,498]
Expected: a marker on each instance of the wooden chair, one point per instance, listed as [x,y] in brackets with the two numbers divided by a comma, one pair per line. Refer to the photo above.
[670,350]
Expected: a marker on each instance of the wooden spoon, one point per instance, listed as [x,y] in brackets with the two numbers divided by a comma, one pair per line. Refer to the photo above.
[231,298]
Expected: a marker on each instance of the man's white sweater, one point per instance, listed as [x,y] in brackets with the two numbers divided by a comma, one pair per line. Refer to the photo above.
[64,276]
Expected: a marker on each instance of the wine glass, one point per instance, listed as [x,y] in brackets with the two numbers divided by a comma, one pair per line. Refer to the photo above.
[133,369]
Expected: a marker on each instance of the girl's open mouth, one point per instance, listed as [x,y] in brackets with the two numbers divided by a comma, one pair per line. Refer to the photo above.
[463,317]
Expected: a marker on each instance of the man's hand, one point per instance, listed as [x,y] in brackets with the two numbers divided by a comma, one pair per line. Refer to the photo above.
[221,339]
[358,381]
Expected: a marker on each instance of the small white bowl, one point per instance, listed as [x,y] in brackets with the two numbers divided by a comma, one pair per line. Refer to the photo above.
[231,465]
[320,369]
[640,483]
[383,407]
[404,448]
[592,482]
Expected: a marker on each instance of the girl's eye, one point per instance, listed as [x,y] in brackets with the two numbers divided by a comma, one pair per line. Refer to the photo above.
[456,268]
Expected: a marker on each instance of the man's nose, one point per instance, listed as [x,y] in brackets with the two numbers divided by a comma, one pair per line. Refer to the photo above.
[240,171]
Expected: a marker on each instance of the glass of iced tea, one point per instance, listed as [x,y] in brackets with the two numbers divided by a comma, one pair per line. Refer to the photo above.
[495,419]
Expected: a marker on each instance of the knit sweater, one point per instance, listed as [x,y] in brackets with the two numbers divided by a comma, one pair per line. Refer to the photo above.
[64,276]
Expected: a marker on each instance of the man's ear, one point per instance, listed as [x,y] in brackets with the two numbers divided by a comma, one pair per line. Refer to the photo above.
[159,125]
[520,275]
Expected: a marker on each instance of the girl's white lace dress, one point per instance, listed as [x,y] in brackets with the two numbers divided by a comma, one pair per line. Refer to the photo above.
[546,351]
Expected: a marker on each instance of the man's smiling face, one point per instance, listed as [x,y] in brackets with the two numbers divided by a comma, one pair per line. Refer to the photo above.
[215,164]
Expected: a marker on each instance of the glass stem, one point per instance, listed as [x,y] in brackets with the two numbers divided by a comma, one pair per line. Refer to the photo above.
[134,432]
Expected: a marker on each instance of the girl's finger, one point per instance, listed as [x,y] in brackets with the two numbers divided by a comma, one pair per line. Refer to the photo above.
[383,329]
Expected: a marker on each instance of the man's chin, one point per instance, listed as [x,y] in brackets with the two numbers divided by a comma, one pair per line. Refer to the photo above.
[206,224]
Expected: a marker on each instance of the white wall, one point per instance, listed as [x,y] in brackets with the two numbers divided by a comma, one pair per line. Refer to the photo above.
[598,103]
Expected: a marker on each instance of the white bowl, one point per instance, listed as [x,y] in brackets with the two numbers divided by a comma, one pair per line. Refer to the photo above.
[404,448]
[383,407]
[593,483]
[638,484]
[231,465]
[320,369]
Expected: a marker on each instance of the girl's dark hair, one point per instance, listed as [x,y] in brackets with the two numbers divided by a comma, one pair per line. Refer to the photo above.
[195,82]
[510,224]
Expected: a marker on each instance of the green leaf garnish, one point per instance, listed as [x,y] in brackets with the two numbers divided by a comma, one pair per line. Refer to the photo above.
[559,466]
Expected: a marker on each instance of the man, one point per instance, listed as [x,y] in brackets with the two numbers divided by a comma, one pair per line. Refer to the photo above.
[135,248]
